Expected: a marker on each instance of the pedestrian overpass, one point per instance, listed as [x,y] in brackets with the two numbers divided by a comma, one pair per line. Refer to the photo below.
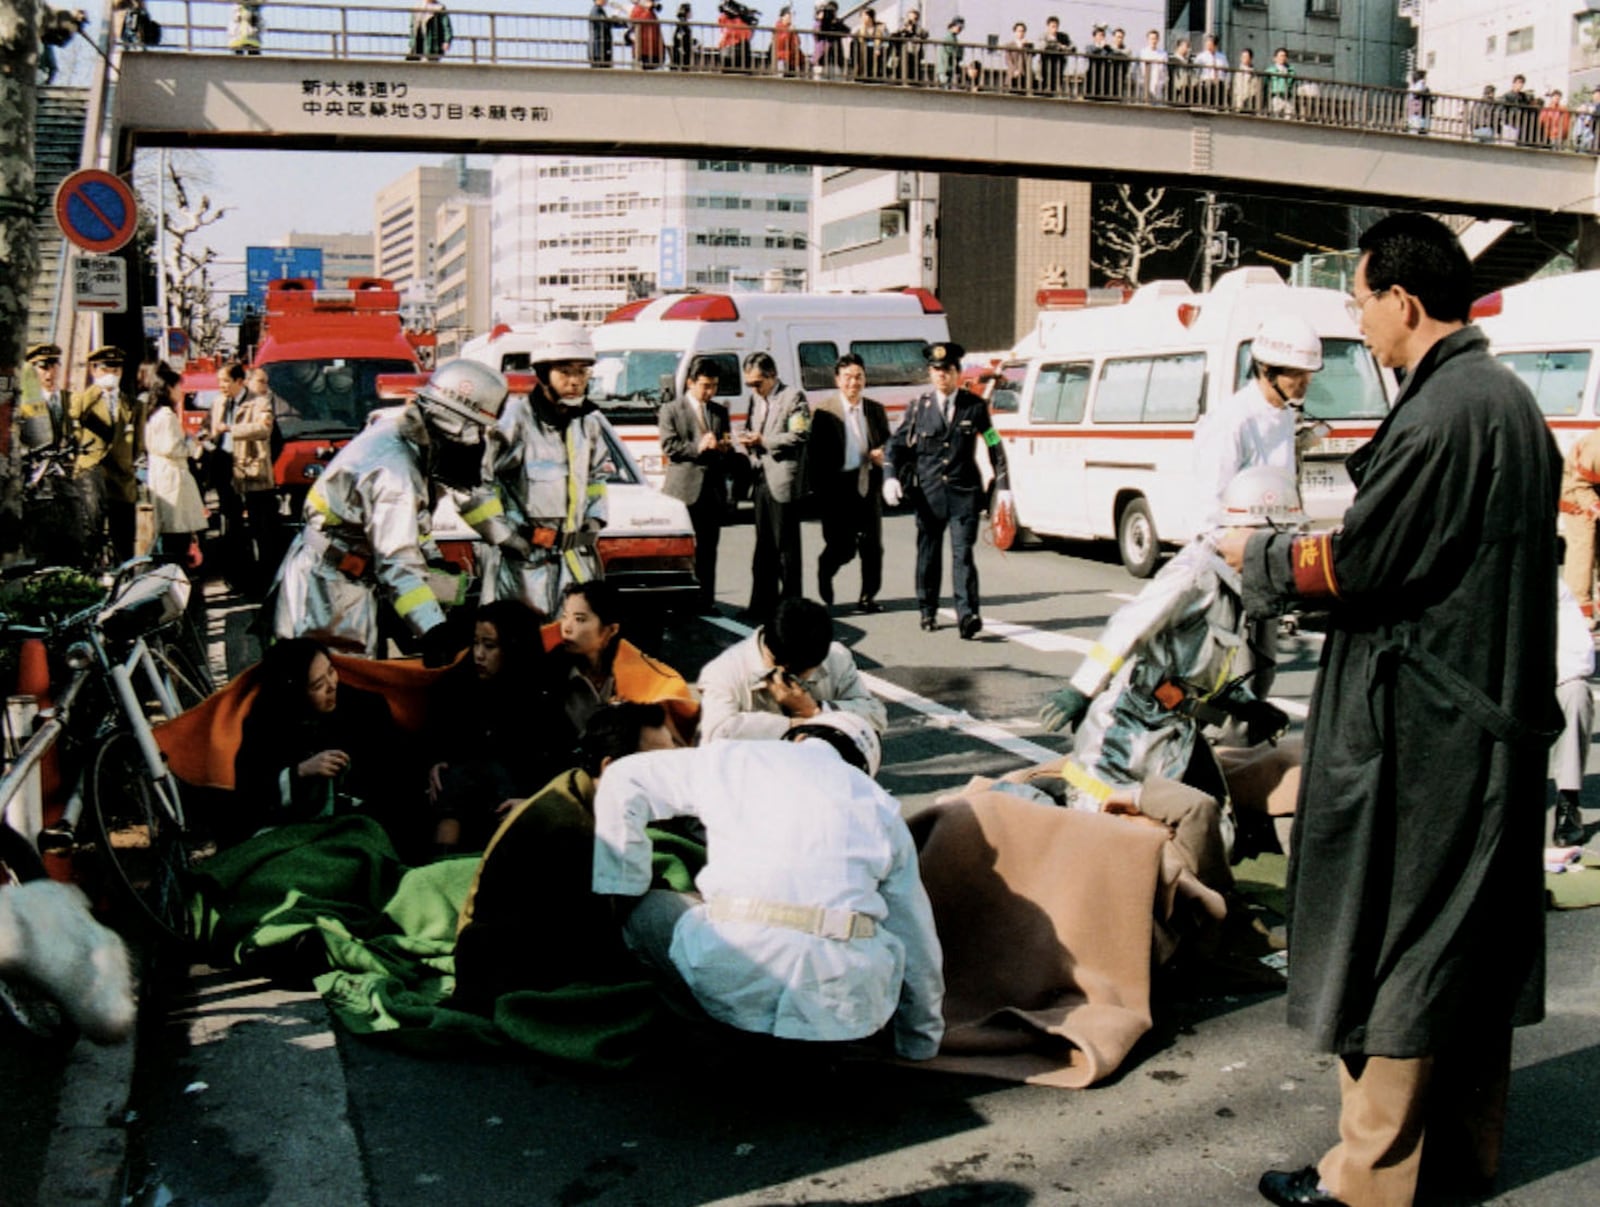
[526,85]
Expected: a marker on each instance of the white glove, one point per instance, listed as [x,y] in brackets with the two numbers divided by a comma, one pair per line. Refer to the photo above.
[892,491]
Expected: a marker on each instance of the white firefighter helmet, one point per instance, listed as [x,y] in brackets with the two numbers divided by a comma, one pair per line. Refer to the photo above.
[856,729]
[461,398]
[1287,342]
[562,340]
[1260,496]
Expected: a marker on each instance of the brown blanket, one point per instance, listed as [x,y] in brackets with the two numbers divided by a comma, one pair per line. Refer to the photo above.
[1048,920]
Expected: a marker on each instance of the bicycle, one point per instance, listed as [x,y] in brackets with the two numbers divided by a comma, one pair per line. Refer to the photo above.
[137,843]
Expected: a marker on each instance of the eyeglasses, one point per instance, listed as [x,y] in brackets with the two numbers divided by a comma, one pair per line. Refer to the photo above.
[1357,306]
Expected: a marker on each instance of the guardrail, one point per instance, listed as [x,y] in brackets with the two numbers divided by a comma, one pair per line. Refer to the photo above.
[618,42]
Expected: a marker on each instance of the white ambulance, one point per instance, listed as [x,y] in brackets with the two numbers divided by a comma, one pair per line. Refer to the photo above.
[644,350]
[1548,332]
[1098,407]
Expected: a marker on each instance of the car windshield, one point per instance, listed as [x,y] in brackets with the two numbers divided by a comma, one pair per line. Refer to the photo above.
[627,384]
[1350,385]
[327,397]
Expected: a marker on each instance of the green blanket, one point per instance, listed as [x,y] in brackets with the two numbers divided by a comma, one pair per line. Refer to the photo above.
[389,934]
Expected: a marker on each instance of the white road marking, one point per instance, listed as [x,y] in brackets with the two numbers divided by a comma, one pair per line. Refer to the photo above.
[1034,639]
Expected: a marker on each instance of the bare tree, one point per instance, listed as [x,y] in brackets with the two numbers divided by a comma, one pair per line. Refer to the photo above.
[1128,231]
[191,299]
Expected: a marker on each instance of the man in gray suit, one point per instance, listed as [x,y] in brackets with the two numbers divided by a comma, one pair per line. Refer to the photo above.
[696,441]
[844,463]
[774,438]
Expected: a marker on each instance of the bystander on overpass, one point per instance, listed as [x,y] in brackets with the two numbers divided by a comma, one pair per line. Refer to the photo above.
[339,78]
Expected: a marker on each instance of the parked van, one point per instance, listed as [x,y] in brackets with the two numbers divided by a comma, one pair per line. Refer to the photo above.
[1546,331]
[644,350]
[1098,407]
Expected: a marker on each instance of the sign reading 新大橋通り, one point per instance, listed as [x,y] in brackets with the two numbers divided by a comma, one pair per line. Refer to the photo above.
[385,101]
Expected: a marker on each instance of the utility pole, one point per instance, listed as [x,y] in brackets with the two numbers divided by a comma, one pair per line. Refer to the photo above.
[1219,249]
[19,252]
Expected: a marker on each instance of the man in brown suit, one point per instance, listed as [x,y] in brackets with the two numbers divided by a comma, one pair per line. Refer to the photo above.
[845,464]
[1580,508]
[110,439]
[696,441]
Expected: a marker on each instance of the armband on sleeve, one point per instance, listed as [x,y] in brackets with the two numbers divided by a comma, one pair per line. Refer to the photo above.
[1311,560]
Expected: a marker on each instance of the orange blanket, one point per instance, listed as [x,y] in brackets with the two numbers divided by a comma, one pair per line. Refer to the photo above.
[201,744]
[1048,919]
[641,679]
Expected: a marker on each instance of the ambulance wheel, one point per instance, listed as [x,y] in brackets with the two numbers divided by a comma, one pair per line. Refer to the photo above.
[1136,539]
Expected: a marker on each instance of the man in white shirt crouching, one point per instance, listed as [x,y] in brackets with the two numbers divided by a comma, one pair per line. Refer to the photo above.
[810,921]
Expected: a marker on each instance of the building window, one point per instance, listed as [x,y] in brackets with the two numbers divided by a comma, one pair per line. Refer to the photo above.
[1257,4]
[1519,40]
[1322,8]
[1492,45]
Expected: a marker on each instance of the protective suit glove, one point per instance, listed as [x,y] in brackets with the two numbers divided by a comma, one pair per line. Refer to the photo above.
[892,492]
[1263,722]
[439,646]
[518,546]
[1064,709]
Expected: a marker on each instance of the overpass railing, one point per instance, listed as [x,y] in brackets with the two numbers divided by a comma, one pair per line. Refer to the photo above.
[893,59]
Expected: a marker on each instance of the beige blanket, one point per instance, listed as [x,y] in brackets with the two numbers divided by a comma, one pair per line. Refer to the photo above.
[1049,923]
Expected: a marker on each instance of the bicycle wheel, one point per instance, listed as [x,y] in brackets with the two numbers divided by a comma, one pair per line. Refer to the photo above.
[141,851]
[190,684]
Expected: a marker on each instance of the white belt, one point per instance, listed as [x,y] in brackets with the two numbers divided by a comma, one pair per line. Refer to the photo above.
[840,924]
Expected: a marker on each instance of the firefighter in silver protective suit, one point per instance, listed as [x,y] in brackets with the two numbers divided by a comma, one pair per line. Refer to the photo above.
[1170,662]
[367,539]
[550,479]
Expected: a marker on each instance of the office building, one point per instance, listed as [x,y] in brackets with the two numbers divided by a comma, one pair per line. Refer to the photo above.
[404,214]
[576,238]
[461,273]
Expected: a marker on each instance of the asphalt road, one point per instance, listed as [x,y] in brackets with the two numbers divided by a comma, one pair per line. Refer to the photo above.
[246,1094]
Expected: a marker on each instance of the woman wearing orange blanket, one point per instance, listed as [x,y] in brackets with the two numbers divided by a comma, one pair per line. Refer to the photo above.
[602,667]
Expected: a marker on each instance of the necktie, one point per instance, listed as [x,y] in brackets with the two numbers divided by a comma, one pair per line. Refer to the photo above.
[946,405]
[54,403]
[859,432]
[111,404]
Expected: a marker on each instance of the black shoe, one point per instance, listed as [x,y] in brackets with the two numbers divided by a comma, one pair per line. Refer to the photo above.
[970,627]
[1288,1189]
[929,624]
[868,605]
[1569,825]
[825,587]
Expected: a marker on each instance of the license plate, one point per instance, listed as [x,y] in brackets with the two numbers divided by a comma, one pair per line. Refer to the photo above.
[1320,479]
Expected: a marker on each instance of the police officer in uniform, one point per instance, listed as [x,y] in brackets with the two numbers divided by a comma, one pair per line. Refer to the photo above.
[932,460]
[110,440]
[55,524]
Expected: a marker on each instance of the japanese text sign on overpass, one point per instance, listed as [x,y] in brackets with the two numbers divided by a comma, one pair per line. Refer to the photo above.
[263,264]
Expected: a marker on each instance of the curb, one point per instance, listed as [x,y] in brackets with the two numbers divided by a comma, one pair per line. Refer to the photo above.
[88,1148]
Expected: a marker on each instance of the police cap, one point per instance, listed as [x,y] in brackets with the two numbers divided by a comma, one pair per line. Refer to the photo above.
[109,355]
[39,352]
[944,356]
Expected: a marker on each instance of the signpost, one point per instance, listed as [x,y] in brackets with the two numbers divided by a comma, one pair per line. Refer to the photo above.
[263,264]
[96,211]
[100,284]
[177,341]
[239,308]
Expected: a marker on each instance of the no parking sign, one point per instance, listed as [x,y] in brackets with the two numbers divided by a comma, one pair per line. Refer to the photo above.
[96,210]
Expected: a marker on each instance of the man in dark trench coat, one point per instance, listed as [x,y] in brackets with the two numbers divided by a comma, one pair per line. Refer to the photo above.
[1416,899]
